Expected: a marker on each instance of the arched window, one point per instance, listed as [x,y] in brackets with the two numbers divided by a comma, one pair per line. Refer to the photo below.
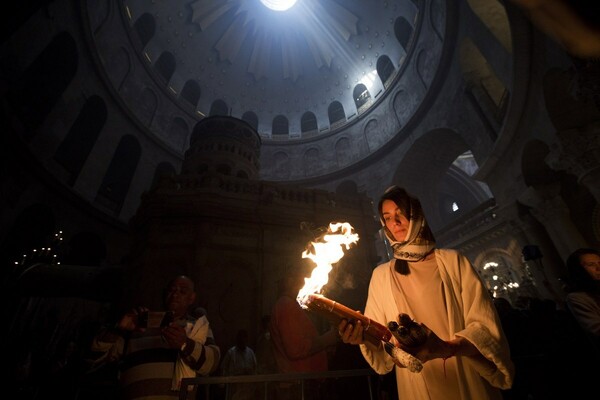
[361,95]
[385,69]
[308,122]
[117,179]
[280,126]
[219,107]
[165,66]
[497,272]
[336,113]
[77,145]
[191,92]
[145,28]
[403,31]
[251,119]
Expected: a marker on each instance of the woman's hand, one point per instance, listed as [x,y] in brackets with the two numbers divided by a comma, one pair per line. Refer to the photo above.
[434,347]
[351,333]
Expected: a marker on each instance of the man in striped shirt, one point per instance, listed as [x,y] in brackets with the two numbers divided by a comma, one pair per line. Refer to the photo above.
[158,349]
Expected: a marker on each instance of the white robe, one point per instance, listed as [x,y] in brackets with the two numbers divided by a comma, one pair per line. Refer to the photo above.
[470,314]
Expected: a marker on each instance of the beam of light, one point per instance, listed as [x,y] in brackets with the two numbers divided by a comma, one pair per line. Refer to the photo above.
[278,5]
[325,252]
[369,79]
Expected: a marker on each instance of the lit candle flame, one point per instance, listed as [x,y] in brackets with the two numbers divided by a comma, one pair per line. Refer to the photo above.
[326,252]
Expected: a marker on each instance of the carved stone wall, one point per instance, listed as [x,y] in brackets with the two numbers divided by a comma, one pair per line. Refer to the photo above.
[236,238]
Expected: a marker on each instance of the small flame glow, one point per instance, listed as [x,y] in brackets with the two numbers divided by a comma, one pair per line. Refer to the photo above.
[326,252]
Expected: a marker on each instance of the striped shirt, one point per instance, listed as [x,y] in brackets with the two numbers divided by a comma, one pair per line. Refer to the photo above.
[150,369]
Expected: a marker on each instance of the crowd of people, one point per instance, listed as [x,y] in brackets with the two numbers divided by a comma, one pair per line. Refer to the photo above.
[468,345]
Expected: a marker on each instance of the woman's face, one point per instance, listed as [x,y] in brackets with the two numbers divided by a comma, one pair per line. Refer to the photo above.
[395,220]
[591,264]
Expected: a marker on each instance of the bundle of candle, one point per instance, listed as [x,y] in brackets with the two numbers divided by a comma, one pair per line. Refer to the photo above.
[408,332]
[335,312]
[374,332]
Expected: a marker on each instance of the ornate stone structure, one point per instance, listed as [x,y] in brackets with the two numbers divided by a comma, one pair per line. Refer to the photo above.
[236,237]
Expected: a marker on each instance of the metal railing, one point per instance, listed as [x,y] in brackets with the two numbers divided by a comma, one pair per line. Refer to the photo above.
[270,378]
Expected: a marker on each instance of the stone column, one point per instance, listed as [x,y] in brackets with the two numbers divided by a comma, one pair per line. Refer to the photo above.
[552,212]
[545,274]
[578,153]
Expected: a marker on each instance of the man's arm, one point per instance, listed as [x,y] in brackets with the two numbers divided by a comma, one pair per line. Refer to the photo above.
[198,348]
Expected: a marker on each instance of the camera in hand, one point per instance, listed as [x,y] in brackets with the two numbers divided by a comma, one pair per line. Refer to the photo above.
[167,319]
[155,319]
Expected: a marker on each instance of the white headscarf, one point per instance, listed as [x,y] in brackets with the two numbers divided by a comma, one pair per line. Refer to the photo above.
[419,240]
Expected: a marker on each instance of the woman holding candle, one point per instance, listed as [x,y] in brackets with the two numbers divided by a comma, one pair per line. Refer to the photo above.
[465,355]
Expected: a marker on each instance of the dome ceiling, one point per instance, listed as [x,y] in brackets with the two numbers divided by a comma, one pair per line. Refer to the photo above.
[276,65]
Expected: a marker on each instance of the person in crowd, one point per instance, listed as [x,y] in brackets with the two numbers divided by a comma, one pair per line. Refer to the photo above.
[297,342]
[465,354]
[240,360]
[156,350]
[265,358]
[583,299]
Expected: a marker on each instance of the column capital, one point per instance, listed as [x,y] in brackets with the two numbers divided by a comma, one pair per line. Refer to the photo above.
[577,151]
